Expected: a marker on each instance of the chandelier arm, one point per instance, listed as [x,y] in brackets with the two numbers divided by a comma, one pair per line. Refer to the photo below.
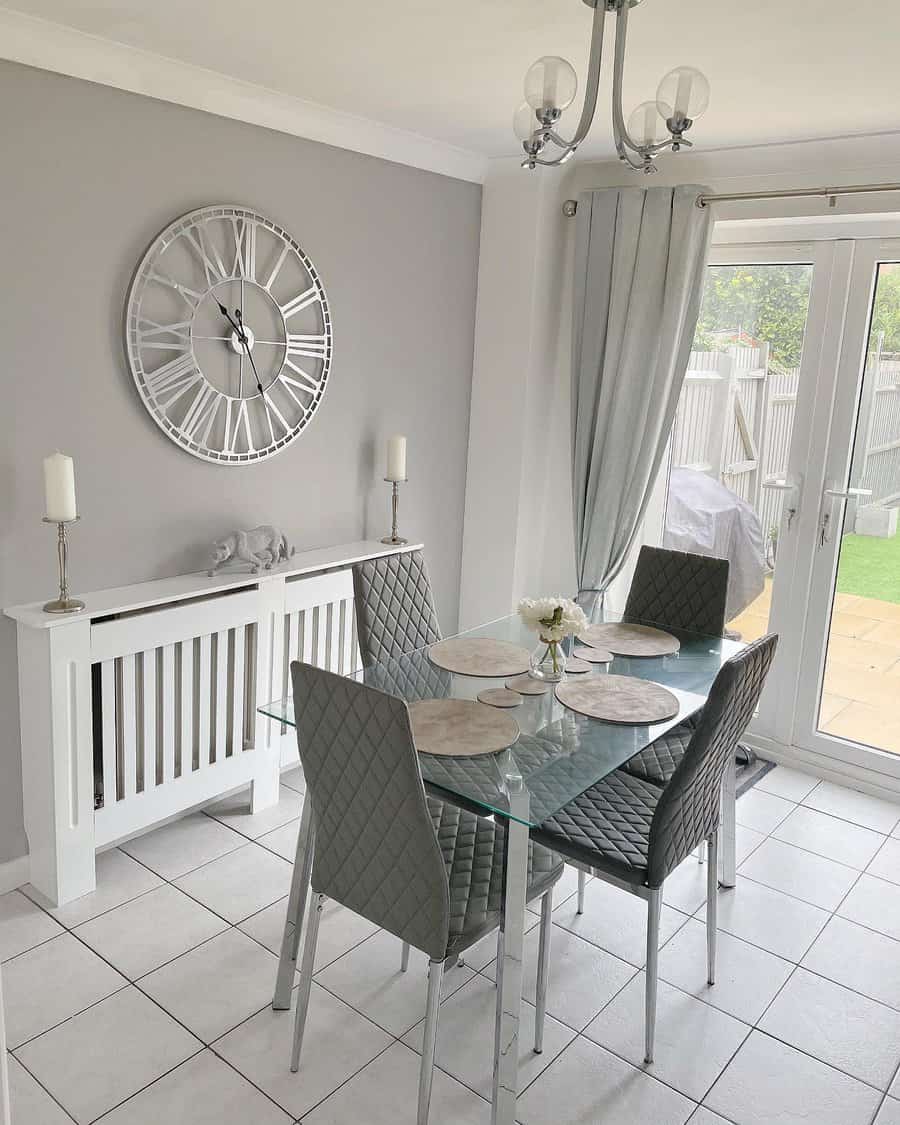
[592,82]
[620,132]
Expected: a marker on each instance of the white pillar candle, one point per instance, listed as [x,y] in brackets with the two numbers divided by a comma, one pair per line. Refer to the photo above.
[396,458]
[59,487]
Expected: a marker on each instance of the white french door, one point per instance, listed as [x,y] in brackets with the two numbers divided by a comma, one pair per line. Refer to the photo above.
[796,375]
[834,594]
[848,552]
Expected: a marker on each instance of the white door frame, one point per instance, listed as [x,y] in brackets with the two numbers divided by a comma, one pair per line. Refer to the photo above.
[833,456]
[821,447]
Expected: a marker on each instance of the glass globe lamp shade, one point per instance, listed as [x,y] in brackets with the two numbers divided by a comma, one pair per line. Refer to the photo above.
[551,83]
[524,122]
[683,92]
[645,126]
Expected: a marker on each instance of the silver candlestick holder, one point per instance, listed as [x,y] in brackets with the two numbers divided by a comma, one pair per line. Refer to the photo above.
[63,604]
[394,539]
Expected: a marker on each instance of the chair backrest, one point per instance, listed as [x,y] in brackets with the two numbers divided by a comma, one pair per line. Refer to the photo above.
[688,810]
[376,851]
[680,590]
[395,611]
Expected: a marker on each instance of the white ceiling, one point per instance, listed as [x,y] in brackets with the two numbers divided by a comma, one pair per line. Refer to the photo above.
[780,69]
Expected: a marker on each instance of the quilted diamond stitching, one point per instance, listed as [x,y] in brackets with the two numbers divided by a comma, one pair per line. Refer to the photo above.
[427,872]
[678,590]
[394,606]
[642,832]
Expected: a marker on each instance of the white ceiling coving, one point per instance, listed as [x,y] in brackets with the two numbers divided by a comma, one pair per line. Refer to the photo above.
[447,77]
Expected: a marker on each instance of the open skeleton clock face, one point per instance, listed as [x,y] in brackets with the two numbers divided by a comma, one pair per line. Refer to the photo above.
[228,335]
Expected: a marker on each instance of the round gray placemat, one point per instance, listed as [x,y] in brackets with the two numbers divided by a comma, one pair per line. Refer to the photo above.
[631,640]
[619,699]
[459,728]
[479,656]
[591,655]
[500,697]
[577,666]
[528,685]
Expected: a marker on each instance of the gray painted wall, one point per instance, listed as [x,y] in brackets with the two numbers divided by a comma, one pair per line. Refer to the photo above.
[89,176]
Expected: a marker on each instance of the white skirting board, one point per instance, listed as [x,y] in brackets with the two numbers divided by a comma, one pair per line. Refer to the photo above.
[14,873]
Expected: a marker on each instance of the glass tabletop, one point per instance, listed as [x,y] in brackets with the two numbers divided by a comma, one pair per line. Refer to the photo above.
[559,753]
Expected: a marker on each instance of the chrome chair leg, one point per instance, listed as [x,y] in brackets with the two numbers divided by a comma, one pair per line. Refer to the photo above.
[404,957]
[543,970]
[306,975]
[293,922]
[582,883]
[701,852]
[712,902]
[432,1008]
[654,907]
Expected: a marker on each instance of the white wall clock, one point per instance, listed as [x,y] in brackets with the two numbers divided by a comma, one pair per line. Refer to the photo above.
[228,335]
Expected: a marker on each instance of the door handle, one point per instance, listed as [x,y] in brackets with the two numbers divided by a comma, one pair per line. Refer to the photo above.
[847,493]
[791,487]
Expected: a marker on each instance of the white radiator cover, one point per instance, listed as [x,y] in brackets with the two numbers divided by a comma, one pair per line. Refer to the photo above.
[159,683]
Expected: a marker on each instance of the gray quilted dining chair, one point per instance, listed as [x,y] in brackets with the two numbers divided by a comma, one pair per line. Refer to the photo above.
[633,834]
[672,590]
[427,872]
[395,612]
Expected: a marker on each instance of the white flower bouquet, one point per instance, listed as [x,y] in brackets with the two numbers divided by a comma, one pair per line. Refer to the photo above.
[552,619]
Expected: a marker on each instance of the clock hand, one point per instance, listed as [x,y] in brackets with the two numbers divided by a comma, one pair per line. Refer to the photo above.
[246,345]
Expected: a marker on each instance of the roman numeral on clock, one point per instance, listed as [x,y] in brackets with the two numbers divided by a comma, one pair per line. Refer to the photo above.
[170,381]
[301,301]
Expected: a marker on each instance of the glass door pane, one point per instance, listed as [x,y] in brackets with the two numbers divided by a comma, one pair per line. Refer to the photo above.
[861,684]
[731,441]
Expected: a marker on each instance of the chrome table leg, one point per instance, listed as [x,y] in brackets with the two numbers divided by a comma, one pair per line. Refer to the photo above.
[509,991]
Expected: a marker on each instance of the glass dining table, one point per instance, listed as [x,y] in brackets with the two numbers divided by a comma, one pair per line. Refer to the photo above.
[558,754]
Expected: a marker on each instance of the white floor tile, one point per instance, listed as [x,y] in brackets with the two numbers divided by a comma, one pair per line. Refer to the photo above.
[216,986]
[50,983]
[369,979]
[465,1042]
[874,903]
[338,1042]
[386,1091]
[23,925]
[747,978]
[102,1056]
[589,1085]
[829,836]
[149,931]
[886,865]
[772,920]
[840,1027]
[339,931]
[858,958]
[239,884]
[202,1091]
[30,1103]
[179,847]
[583,978]
[283,840]
[234,811]
[895,1088]
[616,921]
[889,1114]
[685,888]
[762,811]
[119,879]
[860,808]
[791,784]
[483,952]
[802,874]
[746,841]
[770,1083]
[694,1041]
[294,779]
[565,888]
[704,1116]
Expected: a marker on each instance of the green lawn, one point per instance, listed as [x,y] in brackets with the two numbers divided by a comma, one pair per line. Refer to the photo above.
[870,567]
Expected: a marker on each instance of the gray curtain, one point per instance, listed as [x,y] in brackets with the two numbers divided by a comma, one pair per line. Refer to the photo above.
[639,260]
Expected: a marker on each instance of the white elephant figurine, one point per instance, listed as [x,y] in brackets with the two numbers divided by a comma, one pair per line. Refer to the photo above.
[261,547]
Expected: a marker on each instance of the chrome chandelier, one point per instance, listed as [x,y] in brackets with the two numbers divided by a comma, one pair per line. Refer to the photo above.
[551,85]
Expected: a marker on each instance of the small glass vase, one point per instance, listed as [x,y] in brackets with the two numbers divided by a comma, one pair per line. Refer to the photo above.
[548,662]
